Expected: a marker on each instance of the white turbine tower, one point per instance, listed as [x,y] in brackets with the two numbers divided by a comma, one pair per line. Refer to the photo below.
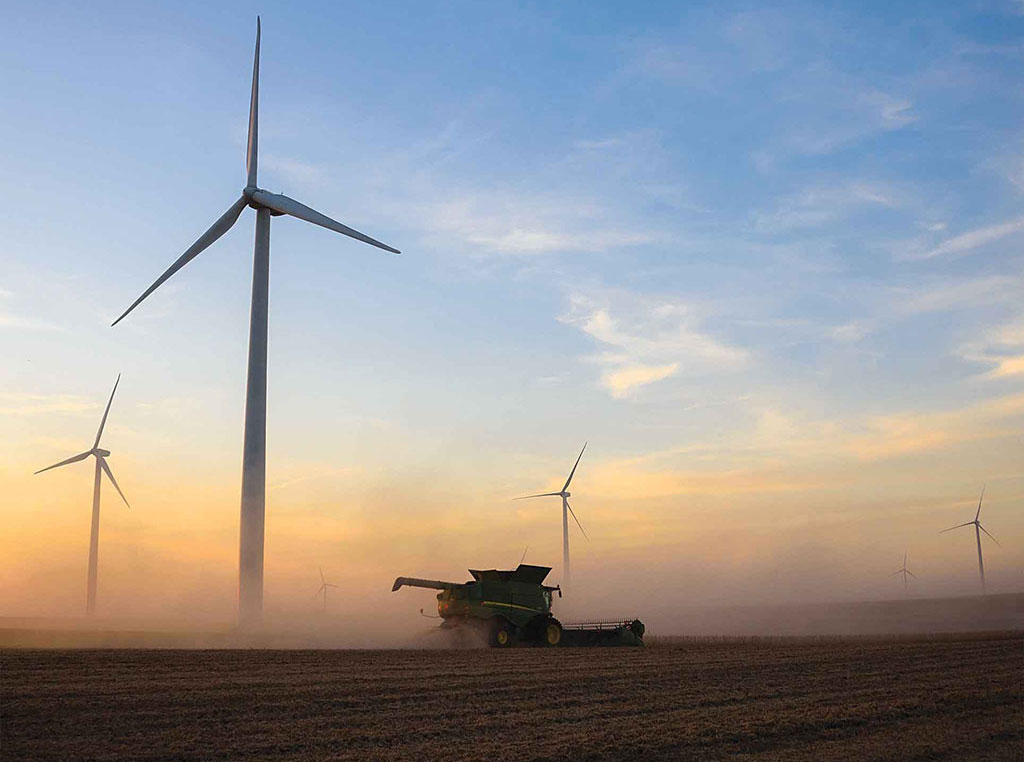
[978,529]
[324,584]
[94,533]
[254,453]
[566,510]
[904,571]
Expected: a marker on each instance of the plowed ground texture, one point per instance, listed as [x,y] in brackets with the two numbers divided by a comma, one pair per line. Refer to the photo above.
[941,699]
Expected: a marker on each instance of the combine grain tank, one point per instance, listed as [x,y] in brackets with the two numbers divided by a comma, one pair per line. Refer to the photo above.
[514,608]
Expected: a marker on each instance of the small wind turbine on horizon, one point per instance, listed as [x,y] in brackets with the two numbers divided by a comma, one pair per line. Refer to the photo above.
[254,451]
[904,571]
[101,456]
[324,584]
[566,510]
[978,529]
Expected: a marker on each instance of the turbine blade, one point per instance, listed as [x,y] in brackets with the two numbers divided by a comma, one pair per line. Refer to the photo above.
[965,524]
[110,475]
[566,486]
[293,208]
[318,591]
[577,521]
[542,494]
[989,534]
[322,580]
[979,503]
[328,584]
[217,229]
[524,555]
[898,571]
[911,574]
[103,420]
[251,149]
[72,459]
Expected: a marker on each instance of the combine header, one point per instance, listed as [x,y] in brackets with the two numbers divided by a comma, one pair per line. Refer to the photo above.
[513,607]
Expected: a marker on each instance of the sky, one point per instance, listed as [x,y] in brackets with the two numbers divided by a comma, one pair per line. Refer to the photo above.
[765,258]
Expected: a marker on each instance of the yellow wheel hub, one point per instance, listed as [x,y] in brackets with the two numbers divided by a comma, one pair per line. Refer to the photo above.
[503,637]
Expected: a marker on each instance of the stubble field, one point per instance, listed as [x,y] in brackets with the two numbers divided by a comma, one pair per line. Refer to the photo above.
[949,698]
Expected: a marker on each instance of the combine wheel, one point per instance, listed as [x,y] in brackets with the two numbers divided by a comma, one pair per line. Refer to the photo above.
[551,635]
[502,633]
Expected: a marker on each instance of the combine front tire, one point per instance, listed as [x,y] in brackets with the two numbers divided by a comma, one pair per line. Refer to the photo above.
[551,634]
[502,633]
[544,630]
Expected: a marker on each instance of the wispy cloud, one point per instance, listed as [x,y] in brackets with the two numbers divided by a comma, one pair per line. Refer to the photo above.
[14,320]
[840,118]
[624,380]
[9,320]
[17,404]
[526,224]
[1000,349]
[824,107]
[293,171]
[648,341]
[945,295]
[971,240]
[325,473]
[823,205]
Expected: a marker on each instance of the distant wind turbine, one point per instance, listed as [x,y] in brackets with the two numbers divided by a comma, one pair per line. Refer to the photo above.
[978,529]
[566,510]
[324,584]
[94,533]
[904,571]
[254,454]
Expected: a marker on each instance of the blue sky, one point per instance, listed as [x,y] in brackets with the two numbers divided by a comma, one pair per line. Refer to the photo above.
[721,239]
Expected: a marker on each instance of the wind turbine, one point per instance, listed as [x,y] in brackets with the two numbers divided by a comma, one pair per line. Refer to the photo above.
[904,571]
[94,533]
[324,584]
[978,529]
[254,451]
[566,510]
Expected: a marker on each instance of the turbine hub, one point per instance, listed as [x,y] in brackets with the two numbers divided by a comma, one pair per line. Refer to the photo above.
[102,453]
[566,494]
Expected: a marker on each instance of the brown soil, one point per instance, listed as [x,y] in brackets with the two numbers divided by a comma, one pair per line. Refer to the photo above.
[928,699]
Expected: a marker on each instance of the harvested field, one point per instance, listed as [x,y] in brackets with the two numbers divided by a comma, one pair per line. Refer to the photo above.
[949,698]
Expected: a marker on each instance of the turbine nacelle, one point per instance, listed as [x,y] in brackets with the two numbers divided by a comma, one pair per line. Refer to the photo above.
[249,192]
[101,452]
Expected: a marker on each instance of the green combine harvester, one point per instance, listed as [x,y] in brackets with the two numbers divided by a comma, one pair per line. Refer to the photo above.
[514,608]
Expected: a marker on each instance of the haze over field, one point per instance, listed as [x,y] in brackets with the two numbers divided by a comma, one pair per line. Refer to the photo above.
[768,262]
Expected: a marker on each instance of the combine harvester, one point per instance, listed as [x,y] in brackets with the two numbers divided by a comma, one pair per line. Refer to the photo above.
[514,608]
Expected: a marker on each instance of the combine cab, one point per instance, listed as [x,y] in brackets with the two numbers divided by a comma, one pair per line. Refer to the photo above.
[514,608]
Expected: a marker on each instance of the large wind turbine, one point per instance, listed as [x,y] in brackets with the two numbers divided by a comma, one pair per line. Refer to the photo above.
[978,529]
[254,453]
[94,533]
[904,571]
[324,584]
[566,510]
